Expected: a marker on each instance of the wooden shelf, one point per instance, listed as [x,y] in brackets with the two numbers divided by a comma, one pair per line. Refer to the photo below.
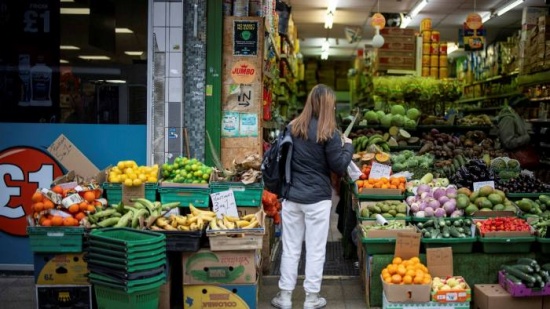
[492,79]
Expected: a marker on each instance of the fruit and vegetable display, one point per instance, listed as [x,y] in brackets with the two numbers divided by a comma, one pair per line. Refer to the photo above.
[526,271]
[407,160]
[391,225]
[397,116]
[484,199]
[195,220]
[406,271]
[130,174]
[475,120]
[186,170]
[57,206]
[503,224]
[505,167]
[397,183]
[436,228]
[451,283]
[475,170]
[523,183]
[141,214]
[387,209]
[434,201]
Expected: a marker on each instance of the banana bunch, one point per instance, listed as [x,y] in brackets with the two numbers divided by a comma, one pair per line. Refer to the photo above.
[140,214]
[230,223]
[363,142]
[196,220]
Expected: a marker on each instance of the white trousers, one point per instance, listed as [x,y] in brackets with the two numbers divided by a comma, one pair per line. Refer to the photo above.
[312,223]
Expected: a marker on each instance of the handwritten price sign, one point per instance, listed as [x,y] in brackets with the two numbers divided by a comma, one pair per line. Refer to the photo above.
[379,170]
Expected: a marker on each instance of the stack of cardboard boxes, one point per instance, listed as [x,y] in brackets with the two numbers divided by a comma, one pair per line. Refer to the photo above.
[532,45]
[398,51]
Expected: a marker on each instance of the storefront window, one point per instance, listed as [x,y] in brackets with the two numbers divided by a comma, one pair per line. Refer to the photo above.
[73,61]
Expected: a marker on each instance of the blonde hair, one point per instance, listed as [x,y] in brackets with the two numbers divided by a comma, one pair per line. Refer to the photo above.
[320,104]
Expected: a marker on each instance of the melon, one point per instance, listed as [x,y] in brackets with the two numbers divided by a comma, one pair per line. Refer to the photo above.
[397,120]
[380,114]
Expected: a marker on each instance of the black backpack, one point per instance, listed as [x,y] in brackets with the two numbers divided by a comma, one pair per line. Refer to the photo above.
[276,164]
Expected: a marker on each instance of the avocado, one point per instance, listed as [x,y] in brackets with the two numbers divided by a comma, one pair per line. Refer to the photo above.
[499,207]
[474,196]
[495,198]
[471,209]
[485,190]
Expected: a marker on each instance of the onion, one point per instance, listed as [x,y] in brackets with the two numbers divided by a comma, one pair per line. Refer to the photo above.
[410,200]
[444,199]
[428,211]
[420,214]
[450,206]
[451,192]
[415,207]
[440,212]
[433,204]
[439,192]
[423,188]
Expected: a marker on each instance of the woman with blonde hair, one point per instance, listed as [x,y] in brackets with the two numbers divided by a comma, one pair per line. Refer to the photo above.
[319,149]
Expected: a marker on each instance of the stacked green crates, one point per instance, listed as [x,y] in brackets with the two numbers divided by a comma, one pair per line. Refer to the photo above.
[246,195]
[197,195]
[113,192]
[55,239]
[127,267]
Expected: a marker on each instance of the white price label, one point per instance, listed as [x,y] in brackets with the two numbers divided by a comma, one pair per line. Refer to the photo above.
[478,185]
[379,170]
[224,203]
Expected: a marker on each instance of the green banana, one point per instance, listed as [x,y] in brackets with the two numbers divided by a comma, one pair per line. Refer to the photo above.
[145,202]
[137,215]
[171,205]
[375,141]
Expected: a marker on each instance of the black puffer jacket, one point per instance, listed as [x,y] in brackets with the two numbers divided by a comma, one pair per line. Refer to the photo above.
[312,164]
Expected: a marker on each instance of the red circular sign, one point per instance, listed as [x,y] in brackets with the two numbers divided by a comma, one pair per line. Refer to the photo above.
[23,170]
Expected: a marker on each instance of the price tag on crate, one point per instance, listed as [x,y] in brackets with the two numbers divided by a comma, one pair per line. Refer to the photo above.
[379,170]
[223,202]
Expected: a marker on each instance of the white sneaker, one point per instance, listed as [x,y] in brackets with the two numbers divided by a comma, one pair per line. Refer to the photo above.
[314,301]
[283,300]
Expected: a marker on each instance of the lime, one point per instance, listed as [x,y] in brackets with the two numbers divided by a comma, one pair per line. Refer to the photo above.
[205,176]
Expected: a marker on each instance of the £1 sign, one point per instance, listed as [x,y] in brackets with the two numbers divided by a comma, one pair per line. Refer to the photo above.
[23,170]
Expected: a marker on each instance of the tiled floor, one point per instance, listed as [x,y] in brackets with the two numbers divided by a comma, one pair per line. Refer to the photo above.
[18,292]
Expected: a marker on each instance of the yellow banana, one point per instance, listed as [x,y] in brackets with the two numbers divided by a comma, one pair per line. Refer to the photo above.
[253,224]
[242,223]
[213,225]
[231,218]
[249,217]
[183,228]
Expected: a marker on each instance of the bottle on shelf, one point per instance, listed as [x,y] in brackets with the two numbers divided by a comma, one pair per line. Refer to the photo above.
[25,76]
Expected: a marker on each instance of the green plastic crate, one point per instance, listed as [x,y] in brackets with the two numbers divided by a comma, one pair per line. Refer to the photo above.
[114,192]
[108,297]
[459,245]
[544,244]
[199,197]
[507,244]
[55,239]
[245,194]
[519,195]
[126,239]
[378,245]
[126,285]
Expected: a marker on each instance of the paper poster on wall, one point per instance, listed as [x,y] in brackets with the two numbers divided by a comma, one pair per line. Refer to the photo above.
[230,124]
[248,125]
[243,72]
[245,38]
[240,97]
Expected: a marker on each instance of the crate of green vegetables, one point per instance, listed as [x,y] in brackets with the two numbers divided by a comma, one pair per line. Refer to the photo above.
[389,209]
[457,233]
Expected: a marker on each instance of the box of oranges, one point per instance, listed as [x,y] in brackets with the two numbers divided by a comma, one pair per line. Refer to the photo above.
[406,279]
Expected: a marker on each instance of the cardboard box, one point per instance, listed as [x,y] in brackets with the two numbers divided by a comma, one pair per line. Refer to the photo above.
[407,246]
[493,296]
[456,305]
[165,290]
[242,296]
[60,269]
[72,158]
[546,302]
[238,239]
[63,296]
[440,264]
[235,267]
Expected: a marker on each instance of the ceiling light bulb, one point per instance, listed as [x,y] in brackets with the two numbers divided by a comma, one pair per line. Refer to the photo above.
[377,39]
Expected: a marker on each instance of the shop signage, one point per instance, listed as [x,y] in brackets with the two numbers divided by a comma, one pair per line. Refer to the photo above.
[29,63]
[473,39]
[235,124]
[23,170]
[243,72]
[474,21]
[379,171]
[245,38]
[240,96]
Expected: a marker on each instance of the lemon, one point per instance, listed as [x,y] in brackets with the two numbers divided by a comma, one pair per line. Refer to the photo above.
[115,179]
[142,177]
[120,165]
[123,177]
[128,182]
[128,170]
[137,182]
[132,176]
[116,169]
[152,179]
